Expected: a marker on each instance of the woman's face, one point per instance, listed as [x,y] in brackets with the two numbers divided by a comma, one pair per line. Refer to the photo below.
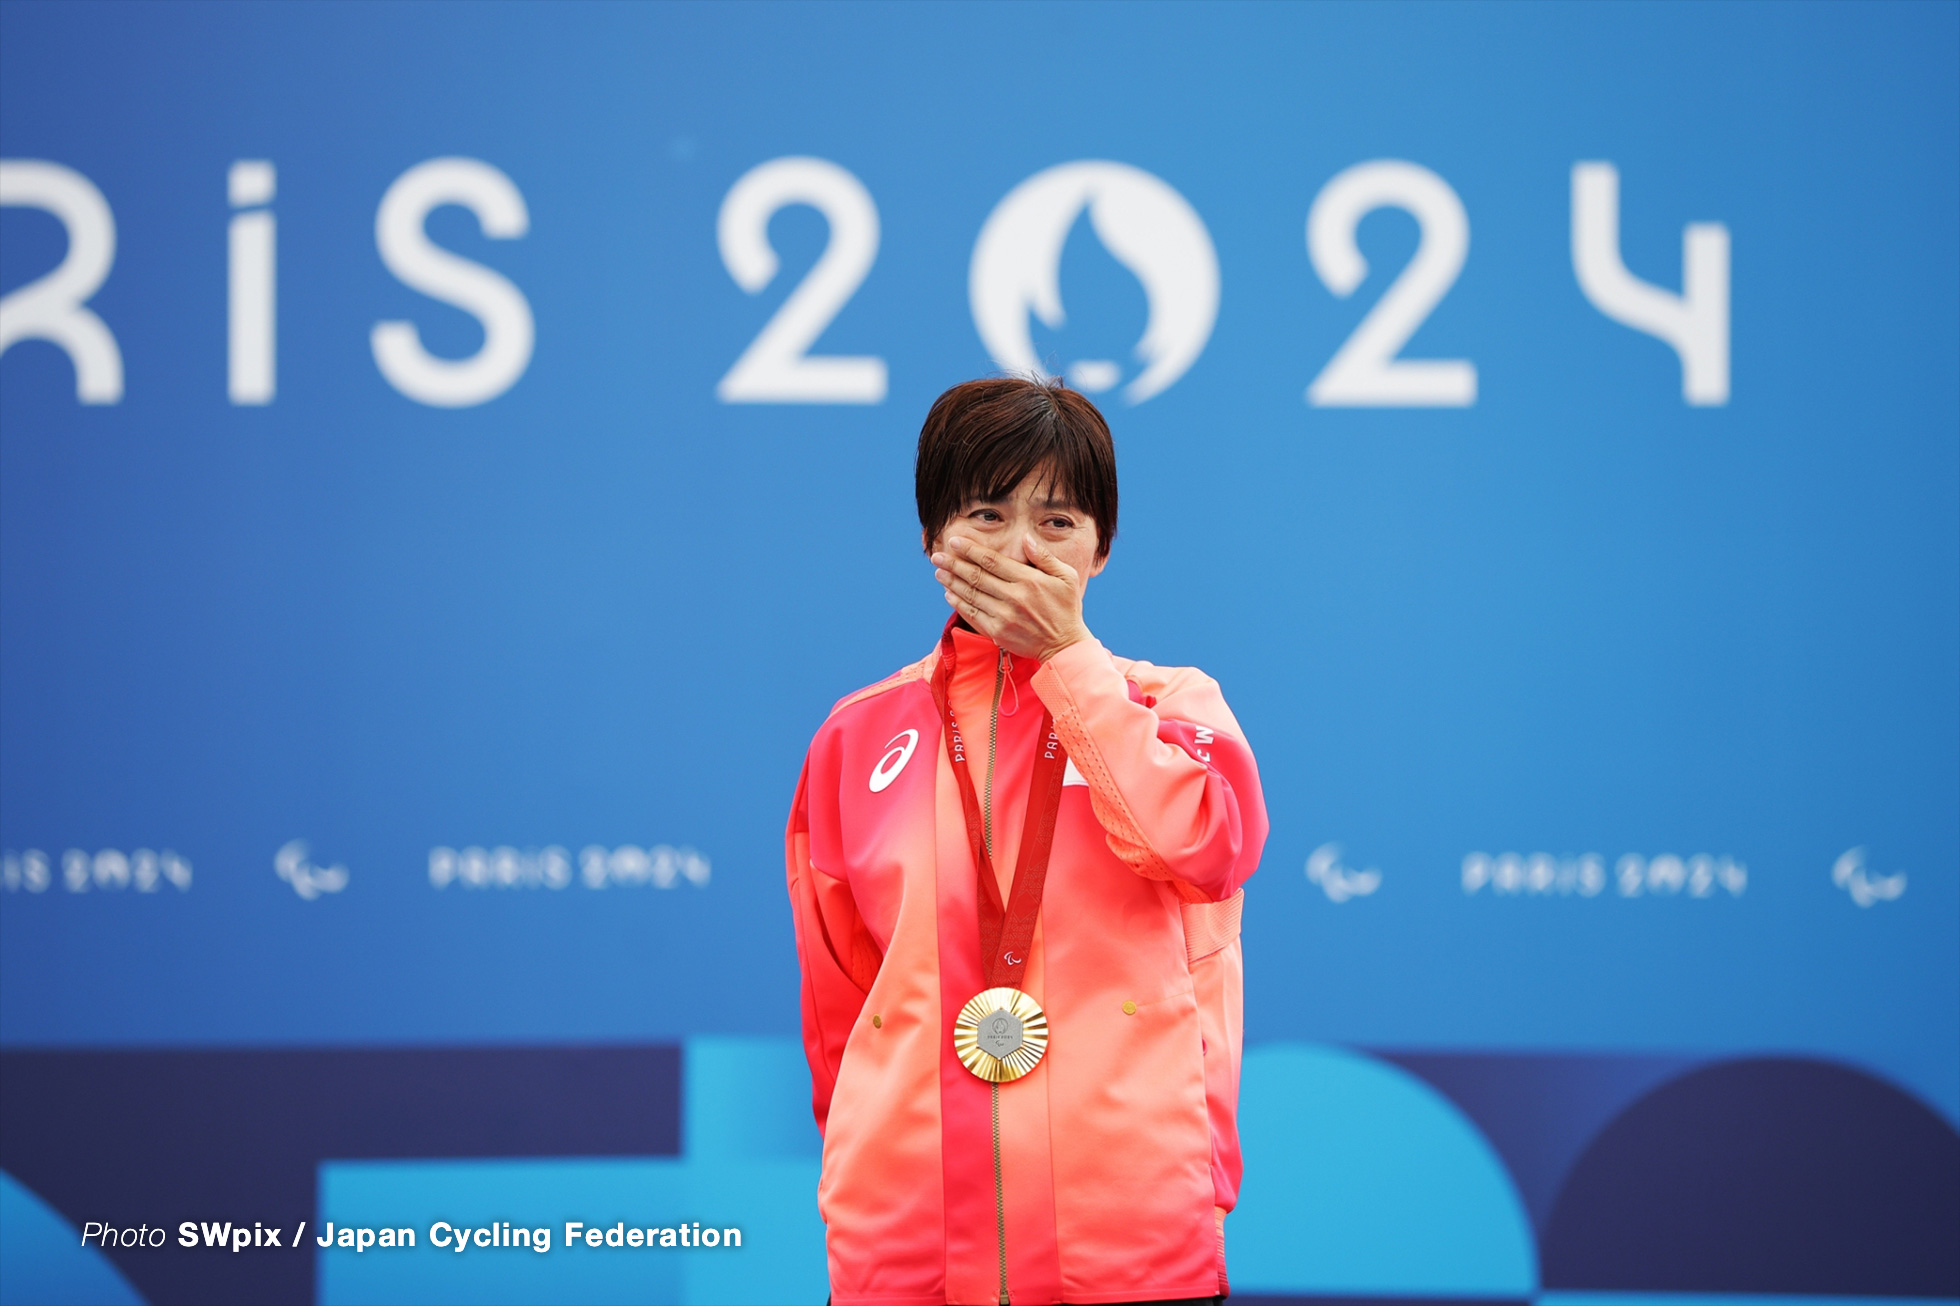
[1031,511]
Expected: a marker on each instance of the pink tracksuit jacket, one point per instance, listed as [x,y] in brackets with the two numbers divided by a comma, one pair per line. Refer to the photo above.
[1119,1151]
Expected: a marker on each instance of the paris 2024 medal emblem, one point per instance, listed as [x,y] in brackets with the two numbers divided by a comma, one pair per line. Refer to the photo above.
[1000,1034]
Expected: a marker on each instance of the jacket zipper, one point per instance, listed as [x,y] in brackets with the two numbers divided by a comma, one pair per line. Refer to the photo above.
[993,737]
[1000,1200]
[987,822]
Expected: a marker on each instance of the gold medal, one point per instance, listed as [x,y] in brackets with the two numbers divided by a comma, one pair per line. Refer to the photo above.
[1000,1034]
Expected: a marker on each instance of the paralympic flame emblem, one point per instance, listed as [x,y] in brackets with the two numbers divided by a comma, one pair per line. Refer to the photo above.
[1145,225]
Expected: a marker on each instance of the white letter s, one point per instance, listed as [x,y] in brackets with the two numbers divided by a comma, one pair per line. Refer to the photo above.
[416,261]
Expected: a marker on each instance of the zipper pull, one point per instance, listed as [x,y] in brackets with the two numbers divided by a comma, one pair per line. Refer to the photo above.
[1007,674]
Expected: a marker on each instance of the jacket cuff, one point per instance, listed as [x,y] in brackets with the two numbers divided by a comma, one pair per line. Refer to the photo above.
[1083,670]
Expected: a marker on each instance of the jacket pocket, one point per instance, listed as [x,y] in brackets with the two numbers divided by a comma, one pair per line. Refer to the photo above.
[1210,926]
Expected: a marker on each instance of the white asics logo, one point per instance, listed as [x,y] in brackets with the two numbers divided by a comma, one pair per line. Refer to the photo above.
[1147,226]
[896,756]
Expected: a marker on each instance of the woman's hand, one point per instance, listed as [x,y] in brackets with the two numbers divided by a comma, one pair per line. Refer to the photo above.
[1032,609]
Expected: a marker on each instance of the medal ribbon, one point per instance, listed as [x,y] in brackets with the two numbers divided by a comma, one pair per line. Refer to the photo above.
[1006,930]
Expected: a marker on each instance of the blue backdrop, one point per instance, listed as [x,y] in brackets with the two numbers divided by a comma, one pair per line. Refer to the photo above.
[1570,509]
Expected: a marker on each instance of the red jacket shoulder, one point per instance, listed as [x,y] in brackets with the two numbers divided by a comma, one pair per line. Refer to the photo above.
[903,676]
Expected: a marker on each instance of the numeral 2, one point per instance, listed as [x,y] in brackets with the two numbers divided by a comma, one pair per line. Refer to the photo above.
[777,367]
[1365,372]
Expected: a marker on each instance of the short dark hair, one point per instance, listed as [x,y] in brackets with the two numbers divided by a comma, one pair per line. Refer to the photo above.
[983,437]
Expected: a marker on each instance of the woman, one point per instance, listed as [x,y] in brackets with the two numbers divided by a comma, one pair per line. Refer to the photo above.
[1015,870]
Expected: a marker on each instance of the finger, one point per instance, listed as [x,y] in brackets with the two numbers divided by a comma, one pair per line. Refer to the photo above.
[945,577]
[991,560]
[984,581]
[967,594]
[1039,555]
[980,621]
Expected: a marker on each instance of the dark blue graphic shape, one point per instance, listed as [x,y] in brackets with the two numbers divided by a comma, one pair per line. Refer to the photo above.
[1764,1176]
[1271,1299]
[130,1138]
[1539,1112]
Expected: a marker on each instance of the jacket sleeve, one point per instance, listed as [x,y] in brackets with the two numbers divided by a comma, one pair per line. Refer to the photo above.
[1171,779]
[835,951]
